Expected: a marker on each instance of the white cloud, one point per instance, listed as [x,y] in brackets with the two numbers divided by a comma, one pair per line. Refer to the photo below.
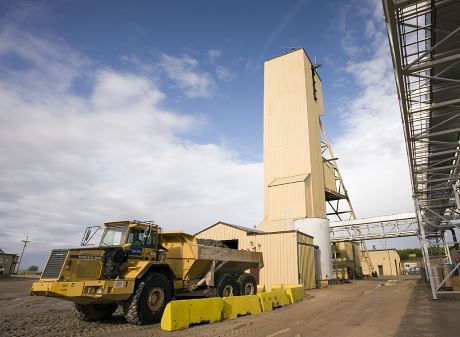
[224,74]
[184,72]
[42,63]
[221,72]
[371,146]
[69,160]
[214,54]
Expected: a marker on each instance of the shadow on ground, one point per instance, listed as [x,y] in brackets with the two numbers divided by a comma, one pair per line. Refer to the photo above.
[426,317]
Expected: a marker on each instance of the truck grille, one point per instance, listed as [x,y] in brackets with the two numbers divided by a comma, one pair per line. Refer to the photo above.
[55,263]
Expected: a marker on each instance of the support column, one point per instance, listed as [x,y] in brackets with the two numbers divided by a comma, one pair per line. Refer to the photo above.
[426,255]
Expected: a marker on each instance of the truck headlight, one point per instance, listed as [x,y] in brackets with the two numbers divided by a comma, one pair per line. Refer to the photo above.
[93,290]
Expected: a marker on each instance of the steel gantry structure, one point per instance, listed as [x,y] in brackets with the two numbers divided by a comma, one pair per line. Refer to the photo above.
[382,227]
[424,39]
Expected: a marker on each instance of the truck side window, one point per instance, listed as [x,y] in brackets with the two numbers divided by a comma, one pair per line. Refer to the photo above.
[136,237]
[151,240]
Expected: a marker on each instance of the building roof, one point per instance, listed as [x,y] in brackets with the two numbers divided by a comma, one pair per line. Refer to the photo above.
[382,250]
[292,50]
[253,231]
[245,229]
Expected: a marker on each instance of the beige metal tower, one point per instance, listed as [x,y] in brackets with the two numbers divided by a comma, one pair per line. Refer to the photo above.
[297,179]
[294,177]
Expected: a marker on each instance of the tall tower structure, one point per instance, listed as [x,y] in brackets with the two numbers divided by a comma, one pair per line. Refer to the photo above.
[296,176]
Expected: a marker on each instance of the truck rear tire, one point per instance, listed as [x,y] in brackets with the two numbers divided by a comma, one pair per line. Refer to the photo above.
[247,284]
[149,300]
[225,286]
[94,312]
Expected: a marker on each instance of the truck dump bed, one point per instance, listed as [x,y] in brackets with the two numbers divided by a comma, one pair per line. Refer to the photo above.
[191,260]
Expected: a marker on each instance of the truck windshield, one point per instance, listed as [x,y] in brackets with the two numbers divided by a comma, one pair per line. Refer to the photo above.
[113,236]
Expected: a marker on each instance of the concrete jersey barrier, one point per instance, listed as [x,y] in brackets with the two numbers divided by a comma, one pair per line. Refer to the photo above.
[181,314]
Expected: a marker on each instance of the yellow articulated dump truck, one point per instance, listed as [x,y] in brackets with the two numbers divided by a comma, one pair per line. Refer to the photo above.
[140,268]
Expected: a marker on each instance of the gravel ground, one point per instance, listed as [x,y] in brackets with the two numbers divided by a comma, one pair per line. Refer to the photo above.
[364,308]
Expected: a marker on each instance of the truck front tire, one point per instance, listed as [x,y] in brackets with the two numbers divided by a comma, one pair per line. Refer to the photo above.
[149,300]
[95,312]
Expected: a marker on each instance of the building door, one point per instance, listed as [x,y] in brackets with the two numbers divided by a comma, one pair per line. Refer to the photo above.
[380,270]
[306,265]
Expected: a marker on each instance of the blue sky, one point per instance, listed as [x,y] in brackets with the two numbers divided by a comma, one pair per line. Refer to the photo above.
[153,110]
[243,32]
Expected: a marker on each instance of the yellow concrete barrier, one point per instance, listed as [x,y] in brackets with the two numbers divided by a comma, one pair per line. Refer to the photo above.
[281,298]
[176,315]
[260,288]
[181,314]
[266,301]
[273,299]
[241,305]
[206,310]
[296,294]
[287,286]
[277,287]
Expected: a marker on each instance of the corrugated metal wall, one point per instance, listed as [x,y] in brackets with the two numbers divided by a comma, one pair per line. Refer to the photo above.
[280,253]
[286,202]
[280,257]
[6,261]
[306,260]
[348,256]
[306,265]
[224,232]
[329,177]
[358,262]
[384,258]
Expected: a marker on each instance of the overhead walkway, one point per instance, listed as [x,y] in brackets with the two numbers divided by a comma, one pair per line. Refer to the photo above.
[424,39]
[382,227]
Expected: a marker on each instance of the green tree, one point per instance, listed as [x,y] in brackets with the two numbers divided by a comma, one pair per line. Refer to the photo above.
[33,268]
[404,253]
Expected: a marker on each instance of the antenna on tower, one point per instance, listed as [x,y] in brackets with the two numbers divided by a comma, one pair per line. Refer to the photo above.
[315,64]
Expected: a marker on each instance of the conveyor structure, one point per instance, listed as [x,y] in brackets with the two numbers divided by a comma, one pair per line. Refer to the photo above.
[424,39]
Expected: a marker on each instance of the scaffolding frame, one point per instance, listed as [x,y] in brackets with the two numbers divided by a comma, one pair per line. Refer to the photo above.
[339,203]
[425,49]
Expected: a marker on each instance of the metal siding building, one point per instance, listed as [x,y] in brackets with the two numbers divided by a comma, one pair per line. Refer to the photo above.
[288,255]
[385,261]
[7,263]
[347,255]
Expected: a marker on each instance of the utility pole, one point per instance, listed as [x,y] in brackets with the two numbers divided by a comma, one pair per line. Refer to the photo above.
[26,241]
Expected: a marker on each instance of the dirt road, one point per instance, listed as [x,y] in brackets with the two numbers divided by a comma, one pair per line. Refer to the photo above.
[364,308]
